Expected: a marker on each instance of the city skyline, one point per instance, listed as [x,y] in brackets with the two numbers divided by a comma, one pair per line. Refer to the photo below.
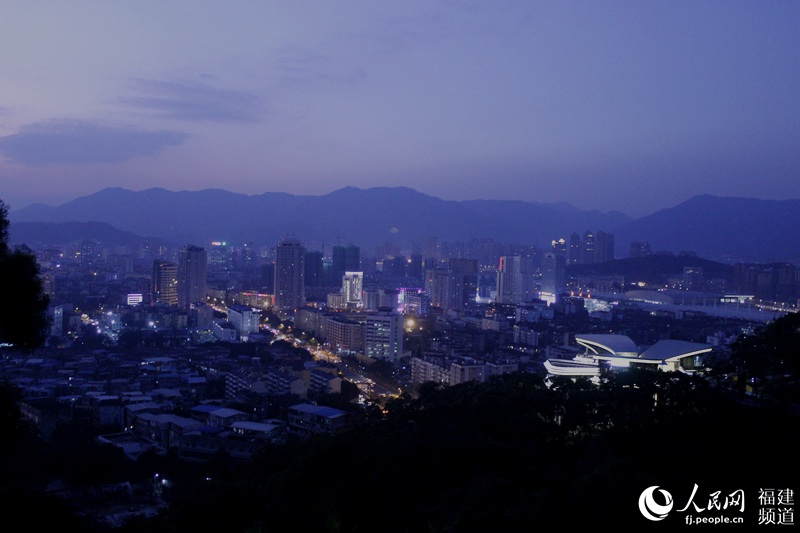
[628,107]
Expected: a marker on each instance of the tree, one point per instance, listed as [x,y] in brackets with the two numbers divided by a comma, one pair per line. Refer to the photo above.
[23,318]
[770,356]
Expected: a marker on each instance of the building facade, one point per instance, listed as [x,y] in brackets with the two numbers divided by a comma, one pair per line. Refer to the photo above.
[290,275]
[192,274]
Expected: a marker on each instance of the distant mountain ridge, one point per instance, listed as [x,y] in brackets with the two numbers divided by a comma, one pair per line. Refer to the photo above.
[48,233]
[721,228]
[718,228]
[365,217]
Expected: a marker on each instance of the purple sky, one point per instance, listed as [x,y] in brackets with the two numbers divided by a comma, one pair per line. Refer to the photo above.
[628,105]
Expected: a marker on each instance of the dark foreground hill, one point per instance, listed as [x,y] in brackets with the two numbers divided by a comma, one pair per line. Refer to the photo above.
[507,455]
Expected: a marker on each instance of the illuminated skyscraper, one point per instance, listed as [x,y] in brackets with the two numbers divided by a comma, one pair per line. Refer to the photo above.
[219,258]
[192,269]
[559,246]
[514,280]
[165,282]
[353,287]
[383,335]
[554,276]
[290,274]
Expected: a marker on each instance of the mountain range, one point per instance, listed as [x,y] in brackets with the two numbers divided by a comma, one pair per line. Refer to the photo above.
[719,228]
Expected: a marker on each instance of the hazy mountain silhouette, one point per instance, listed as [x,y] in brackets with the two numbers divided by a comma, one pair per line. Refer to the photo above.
[362,216]
[723,229]
[47,233]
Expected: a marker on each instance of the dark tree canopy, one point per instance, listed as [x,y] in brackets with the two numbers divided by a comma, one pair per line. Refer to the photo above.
[23,317]
[769,360]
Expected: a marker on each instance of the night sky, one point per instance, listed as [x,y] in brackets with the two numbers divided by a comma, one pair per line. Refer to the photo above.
[627,105]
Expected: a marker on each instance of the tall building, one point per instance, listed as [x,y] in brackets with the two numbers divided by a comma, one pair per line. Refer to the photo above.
[464,283]
[290,255]
[593,248]
[554,277]
[559,246]
[587,250]
[415,267]
[345,259]
[574,252]
[165,282]
[192,273]
[438,286]
[353,287]
[514,280]
[220,258]
[314,269]
[603,247]
[640,249]
[383,335]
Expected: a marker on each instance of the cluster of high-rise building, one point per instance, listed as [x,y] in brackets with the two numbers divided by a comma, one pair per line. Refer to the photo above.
[587,249]
[183,283]
[359,299]
[770,281]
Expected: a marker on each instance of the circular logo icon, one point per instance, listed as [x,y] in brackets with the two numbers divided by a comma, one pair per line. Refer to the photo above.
[651,509]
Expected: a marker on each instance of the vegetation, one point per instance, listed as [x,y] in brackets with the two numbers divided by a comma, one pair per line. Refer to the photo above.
[498,456]
[23,317]
[767,362]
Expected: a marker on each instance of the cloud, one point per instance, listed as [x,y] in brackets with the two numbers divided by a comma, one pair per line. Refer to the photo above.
[305,66]
[193,101]
[82,142]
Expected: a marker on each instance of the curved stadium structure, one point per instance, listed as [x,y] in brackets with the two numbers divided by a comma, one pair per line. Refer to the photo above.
[619,351]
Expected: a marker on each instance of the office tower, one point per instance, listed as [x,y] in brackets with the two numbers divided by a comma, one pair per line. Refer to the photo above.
[414,269]
[603,247]
[290,255]
[219,258]
[345,259]
[395,266]
[438,286]
[192,269]
[268,278]
[554,277]
[249,259]
[432,250]
[314,270]
[574,255]
[640,249]
[353,287]
[383,335]
[463,282]
[559,246]
[514,280]
[587,249]
[165,282]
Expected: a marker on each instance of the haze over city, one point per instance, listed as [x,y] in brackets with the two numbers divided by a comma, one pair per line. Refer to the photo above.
[612,106]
